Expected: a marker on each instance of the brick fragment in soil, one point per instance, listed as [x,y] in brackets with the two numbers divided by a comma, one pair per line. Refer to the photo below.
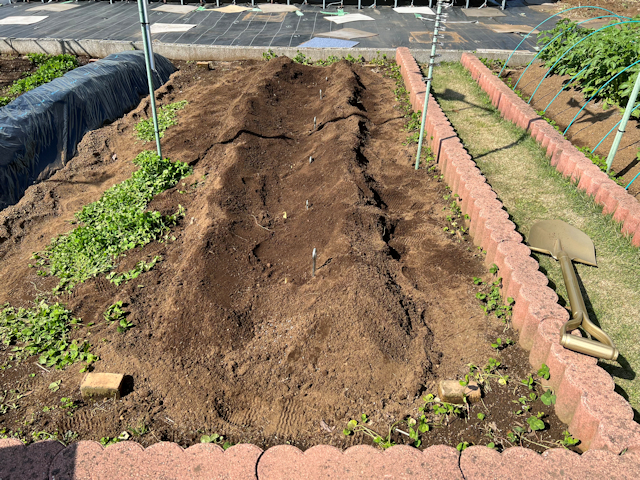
[232,334]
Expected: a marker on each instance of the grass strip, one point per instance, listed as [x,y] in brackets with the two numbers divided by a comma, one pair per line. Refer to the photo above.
[114,224]
[530,189]
[50,67]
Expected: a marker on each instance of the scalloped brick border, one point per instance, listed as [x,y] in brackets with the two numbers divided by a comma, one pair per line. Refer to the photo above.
[563,155]
[585,397]
[88,460]
[586,400]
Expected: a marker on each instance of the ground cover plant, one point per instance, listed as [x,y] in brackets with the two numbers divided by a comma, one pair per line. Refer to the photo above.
[587,65]
[43,331]
[167,116]
[595,59]
[230,334]
[49,67]
[531,190]
[114,224]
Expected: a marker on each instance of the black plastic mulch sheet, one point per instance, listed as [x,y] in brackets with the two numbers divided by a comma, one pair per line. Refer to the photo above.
[40,130]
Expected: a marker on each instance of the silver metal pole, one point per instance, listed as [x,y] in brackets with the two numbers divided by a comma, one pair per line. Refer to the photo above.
[623,123]
[148,59]
[434,42]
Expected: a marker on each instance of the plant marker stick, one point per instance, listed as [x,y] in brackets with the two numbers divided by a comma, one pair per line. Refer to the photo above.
[314,255]
[314,123]
[310,160]
[150,64]
[320,94]
[429,76]
[307,204]
[623,124]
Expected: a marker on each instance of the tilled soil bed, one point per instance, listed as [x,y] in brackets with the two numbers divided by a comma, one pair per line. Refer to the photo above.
[232,333]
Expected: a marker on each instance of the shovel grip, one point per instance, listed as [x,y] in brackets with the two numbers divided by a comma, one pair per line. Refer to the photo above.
[603,346]
[589,347]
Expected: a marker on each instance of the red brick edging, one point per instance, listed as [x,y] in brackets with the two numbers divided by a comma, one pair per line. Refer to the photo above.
[567,159]
[598,416]
[128,460]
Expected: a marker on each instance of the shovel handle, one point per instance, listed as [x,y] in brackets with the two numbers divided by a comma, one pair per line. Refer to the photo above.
[603,347]
[571,284]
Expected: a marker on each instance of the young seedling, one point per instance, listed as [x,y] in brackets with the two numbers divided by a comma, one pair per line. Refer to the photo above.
[115,313]
[355,426]
[548,398]
[67,402]
[462,446]
[543,372]
[535,423]
[499,344]
[568,440]
[217,439]
[528,382]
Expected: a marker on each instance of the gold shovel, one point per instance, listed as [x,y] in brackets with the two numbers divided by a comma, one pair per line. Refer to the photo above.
[566,243]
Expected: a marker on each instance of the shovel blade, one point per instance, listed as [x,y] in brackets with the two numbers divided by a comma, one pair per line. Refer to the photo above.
[544,236]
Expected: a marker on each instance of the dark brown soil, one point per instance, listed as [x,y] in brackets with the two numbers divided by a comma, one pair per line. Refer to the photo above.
[15,67]
[232,333]
[12,68]
[591,125]
[628,8]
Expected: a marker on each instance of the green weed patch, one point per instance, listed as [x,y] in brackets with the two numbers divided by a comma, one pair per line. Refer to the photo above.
[114,224]
[43,331]
[50,67]
[167,117]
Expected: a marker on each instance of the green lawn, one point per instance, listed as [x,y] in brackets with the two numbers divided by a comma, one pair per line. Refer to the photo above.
[531,190]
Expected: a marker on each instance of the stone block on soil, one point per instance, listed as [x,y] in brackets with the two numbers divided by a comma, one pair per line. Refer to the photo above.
[450,391]
[101,385]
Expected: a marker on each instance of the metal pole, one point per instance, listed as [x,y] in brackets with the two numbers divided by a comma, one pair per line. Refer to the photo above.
[623,123]
[150,64]
[429,76]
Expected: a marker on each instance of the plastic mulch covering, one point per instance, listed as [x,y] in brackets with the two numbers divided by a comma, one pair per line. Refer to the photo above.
[40,130]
